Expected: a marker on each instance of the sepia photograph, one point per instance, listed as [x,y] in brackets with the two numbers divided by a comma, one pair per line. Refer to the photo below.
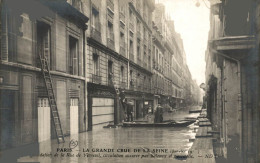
[129,81]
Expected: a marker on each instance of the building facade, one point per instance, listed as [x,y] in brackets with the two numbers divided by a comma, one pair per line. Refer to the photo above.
[27,34]
[118,56]
[167,60]
[232,77]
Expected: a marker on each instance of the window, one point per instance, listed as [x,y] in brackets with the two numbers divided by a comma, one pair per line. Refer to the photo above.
[110,33]
[122,39]
[131,47]
[138,52]
[95,65]
[138,80]
[131,78]
[122,7]
[110,73]
[122,74]
[130,15]
[95,19]
[43,42]
[73,56]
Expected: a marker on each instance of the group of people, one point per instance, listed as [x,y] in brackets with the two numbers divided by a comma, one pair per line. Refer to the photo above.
[129,110]
[158,114]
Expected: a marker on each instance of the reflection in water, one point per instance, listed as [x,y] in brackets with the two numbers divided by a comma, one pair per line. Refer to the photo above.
[122,138]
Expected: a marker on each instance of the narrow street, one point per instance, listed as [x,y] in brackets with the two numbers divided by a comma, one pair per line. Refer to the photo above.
[169,140]
[129,81]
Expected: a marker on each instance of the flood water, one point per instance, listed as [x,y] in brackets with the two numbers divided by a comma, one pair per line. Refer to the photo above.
[122,144]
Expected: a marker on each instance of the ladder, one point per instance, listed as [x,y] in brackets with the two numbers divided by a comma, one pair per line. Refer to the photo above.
[118,92]
[52,101]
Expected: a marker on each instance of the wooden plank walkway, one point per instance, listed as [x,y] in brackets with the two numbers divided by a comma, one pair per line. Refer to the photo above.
[204,132]
[202,148]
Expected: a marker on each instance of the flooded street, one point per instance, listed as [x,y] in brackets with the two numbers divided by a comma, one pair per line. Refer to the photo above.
[122,144]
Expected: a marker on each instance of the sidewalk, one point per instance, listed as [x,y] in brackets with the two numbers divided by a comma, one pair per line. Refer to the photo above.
[202,148]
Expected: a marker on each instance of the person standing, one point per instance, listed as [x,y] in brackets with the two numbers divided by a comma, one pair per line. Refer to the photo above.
[129,111]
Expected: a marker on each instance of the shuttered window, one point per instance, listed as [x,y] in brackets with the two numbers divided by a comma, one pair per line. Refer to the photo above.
[73,56]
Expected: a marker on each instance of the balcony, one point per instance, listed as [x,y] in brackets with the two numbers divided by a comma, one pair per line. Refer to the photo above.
[96,79]
[110,5]
[95,32]
[229,43]
[111,43]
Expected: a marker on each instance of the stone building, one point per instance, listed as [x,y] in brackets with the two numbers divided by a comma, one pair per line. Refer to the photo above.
[167,60]
[27,33]
[231,78]
[118,55]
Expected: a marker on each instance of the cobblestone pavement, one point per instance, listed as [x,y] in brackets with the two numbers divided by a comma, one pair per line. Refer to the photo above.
[120,144]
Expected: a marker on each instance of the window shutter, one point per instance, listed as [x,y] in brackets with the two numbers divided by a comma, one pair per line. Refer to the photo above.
[4,39]
[75,66]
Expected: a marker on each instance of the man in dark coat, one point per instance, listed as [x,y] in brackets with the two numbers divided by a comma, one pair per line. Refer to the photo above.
[129,113]
[158,115]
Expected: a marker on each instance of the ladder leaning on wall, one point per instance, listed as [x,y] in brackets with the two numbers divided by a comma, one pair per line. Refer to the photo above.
[52,100]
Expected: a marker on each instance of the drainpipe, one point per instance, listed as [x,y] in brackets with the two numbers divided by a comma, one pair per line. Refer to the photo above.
[85,83]
[240,117]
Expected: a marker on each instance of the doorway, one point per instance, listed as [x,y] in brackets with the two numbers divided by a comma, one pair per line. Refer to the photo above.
[7,115]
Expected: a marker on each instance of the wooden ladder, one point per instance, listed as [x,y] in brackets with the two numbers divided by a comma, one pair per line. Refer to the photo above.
[52,100]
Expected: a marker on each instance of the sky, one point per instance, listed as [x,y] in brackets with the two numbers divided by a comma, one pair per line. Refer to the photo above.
[193,24]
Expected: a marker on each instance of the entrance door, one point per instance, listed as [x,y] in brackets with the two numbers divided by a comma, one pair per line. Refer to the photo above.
[6,118]
[74,118]
[139,109]
[44,120]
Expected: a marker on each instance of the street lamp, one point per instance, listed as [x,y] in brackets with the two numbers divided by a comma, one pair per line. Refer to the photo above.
[198,3]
